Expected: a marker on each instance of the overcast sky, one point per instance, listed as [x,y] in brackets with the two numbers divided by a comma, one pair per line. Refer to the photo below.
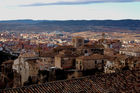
[69,9]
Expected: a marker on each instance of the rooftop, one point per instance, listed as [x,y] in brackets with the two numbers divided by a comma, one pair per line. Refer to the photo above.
[131,49]
[28,55]
[8,62]
[121,82]
[92,57]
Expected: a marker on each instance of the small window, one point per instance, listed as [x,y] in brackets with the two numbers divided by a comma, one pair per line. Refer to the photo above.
[95,62]
[135,65]
[102,61]
[86,51]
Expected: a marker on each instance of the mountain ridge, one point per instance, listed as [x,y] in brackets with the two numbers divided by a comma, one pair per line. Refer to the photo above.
[70,25]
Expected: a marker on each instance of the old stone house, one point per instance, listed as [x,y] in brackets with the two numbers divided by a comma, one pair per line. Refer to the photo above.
[65,59]
[95,61]
[25,66]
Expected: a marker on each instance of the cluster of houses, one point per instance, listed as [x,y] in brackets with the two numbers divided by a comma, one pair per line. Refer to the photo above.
[103,56]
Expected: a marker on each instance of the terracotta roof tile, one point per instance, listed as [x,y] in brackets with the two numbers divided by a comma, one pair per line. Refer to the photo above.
[92,57]
[99,83]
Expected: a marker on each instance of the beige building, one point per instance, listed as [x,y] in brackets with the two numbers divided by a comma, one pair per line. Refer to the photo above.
[47,60]
[109,52]
[95,61]
[130,51]
[89,49]
[78,41]
[65,60]
[66,48]
[6,75]
[115,62]
[134,63]
[113,44]
[26,65]
[109,66]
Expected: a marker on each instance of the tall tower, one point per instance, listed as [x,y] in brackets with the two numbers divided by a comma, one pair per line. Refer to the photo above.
[78,41]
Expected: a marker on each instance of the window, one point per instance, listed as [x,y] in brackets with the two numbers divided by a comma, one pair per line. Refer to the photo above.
[102,61]
[95,62]
[86,51]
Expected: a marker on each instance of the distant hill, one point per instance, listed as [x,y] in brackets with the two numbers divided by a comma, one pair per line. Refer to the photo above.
[71,25]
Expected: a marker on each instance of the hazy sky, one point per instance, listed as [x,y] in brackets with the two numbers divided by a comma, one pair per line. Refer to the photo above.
[69,9]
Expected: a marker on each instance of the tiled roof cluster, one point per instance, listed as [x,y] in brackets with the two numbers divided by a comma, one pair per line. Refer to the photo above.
[131,49]
[93,57]
[47,54]
[28,55]
[63,47]
[94,46]
[123,82]
[109,41]
[68,54]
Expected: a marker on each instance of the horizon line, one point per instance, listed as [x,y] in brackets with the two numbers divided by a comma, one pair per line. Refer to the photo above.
[64,19]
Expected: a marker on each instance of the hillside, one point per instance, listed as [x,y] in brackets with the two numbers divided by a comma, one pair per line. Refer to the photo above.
[71,25]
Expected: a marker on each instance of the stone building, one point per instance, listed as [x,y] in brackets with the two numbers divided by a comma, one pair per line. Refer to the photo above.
[133,63]
[95,61]
[109,52]
[115,63]
[47,60]
[113,44]
[130,51]
[65,59]
[26,65]
[109,65]
[88,50]
[7,75]
[6,67]
[78,41]
[60,48]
